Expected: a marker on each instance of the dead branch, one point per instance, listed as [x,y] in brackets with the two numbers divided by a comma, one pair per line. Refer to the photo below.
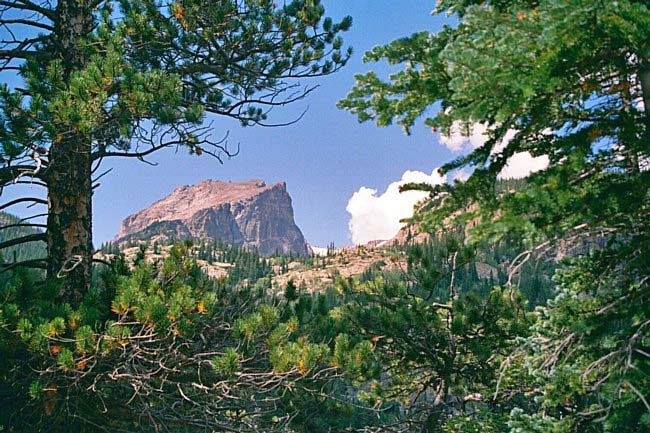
[23,240]
[34,200]
[9,226]
[33,263]
[33,172]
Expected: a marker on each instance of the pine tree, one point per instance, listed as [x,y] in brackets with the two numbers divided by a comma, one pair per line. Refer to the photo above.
[290,291]
[104,79]
[522,71]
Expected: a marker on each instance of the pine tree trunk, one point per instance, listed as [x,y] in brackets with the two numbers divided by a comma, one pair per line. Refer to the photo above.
[69,224]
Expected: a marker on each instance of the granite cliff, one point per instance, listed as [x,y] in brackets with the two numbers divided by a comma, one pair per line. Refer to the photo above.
[251,214]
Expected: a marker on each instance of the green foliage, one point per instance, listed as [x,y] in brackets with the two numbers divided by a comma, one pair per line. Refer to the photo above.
[581,98]
[291,291]
[300,356]
[476,423]
[248,266]
[449,348]
[357,359]
[172,335]
[228,363]
[472,336]
[66,359]
[126,78]
[584,355]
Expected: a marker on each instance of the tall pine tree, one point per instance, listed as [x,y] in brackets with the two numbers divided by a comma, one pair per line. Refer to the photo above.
[103,79]
[568,80]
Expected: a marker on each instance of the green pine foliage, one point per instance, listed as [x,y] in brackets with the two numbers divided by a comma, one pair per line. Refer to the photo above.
[438,340]
[248,266]
[582,99]
[527,311]
[95,80]
[172,343]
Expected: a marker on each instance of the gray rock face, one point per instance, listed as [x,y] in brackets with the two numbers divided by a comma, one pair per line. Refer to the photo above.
[249,214]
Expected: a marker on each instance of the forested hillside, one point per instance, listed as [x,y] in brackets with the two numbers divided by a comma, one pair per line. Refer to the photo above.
[14,228]
[340,336]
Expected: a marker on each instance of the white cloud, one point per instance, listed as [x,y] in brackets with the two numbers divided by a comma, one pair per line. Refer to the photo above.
[469,137]
[461,175]
[377,217]
[522,164]
[464,139]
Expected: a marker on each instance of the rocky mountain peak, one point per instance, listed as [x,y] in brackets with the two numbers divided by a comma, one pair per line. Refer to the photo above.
[250,214]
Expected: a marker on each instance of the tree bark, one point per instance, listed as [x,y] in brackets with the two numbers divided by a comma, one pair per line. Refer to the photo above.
[69,224]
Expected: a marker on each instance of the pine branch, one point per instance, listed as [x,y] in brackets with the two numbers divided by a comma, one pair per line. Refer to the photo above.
[22,225]
[23,240]
[34,200]
[33,263]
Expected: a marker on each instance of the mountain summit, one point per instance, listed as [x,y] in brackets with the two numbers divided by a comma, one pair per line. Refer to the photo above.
[251,214]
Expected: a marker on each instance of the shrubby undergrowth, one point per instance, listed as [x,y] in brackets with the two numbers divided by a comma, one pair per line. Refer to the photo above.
[164,348]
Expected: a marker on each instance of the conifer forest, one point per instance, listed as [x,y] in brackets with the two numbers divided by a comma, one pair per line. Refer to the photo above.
[502,306]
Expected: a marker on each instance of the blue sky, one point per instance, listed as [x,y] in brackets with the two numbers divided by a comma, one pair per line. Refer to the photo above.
[324,159]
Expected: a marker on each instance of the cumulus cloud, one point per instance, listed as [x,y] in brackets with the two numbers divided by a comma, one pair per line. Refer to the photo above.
[467,138]
[377,216]
[522,164]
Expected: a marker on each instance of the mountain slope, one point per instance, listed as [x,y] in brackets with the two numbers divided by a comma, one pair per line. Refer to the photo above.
[18,253]
[250,214]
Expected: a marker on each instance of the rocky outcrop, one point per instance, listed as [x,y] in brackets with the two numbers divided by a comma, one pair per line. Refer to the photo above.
[249,214]
[409,234]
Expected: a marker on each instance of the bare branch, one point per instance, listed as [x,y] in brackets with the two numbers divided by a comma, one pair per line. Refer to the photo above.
[22,225]
[23,240]
[12,173]
[34,200]
[33,263]
[33,172]
[32,23]
[29,6]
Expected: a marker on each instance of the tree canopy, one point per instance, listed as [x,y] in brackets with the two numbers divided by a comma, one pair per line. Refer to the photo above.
[569,80]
